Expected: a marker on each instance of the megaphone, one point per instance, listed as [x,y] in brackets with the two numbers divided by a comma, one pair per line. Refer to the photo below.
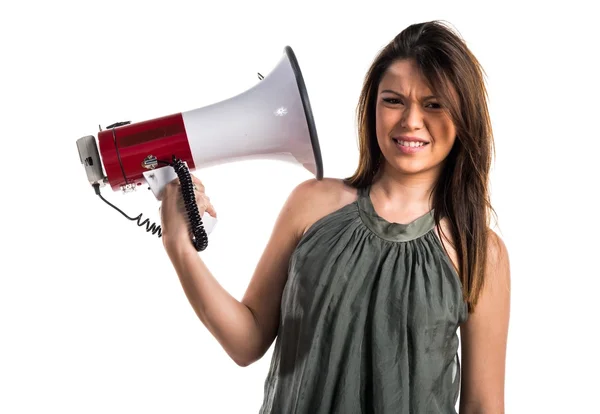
[272,120]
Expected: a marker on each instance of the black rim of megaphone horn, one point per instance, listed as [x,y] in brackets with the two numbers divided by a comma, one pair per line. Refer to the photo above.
[314,139]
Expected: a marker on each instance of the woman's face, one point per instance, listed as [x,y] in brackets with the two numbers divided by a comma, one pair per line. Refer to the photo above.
[414,133]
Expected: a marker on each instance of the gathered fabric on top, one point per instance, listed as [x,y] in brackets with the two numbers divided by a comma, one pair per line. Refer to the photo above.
[369,319]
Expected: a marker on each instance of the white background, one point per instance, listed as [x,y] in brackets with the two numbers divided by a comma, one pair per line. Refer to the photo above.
[92,316]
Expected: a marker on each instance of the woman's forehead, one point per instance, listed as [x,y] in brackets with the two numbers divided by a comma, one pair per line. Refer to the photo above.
[404,77]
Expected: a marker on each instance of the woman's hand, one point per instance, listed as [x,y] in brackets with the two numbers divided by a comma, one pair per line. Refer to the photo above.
[173,214]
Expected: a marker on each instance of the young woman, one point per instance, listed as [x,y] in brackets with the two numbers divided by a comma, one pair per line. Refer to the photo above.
[366,281]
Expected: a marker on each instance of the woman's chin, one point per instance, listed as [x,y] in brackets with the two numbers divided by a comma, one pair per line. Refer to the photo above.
[413,168]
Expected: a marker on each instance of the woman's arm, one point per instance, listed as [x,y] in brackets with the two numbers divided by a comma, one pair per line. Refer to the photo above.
[245,329]
[484,338]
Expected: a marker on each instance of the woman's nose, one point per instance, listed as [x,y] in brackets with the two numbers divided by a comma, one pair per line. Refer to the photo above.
[412,117]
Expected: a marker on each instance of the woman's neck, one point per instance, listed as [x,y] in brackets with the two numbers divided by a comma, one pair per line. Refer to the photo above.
[404,192]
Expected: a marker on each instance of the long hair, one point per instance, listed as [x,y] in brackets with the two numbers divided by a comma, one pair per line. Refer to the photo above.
[461,192]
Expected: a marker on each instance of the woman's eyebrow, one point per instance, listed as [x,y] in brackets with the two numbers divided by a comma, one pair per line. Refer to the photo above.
[399,94]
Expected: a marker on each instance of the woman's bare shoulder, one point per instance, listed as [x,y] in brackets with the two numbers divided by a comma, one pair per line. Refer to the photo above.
[314,199]
[496,251]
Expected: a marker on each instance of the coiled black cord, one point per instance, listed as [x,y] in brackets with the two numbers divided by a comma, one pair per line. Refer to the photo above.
[198,234]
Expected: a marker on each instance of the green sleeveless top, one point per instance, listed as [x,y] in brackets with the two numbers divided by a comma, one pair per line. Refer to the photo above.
[369,319]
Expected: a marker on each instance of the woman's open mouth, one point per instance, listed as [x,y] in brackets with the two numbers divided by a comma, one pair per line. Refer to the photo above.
[409,147]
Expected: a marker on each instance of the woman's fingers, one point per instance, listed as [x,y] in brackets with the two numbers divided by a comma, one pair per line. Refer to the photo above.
[202,199]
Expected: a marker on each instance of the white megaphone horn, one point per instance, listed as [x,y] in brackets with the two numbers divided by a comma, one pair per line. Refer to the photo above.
[272,120]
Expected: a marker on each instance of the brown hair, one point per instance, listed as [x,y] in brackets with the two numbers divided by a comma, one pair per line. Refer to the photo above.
[461,192]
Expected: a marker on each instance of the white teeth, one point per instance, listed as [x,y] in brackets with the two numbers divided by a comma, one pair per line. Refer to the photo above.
[411,143]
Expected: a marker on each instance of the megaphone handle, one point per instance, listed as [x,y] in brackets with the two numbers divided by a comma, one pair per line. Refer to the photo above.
[198,233]
[196,227]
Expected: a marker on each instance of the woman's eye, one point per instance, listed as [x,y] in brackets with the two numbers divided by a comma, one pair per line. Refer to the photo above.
[434,105]
[392,101]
